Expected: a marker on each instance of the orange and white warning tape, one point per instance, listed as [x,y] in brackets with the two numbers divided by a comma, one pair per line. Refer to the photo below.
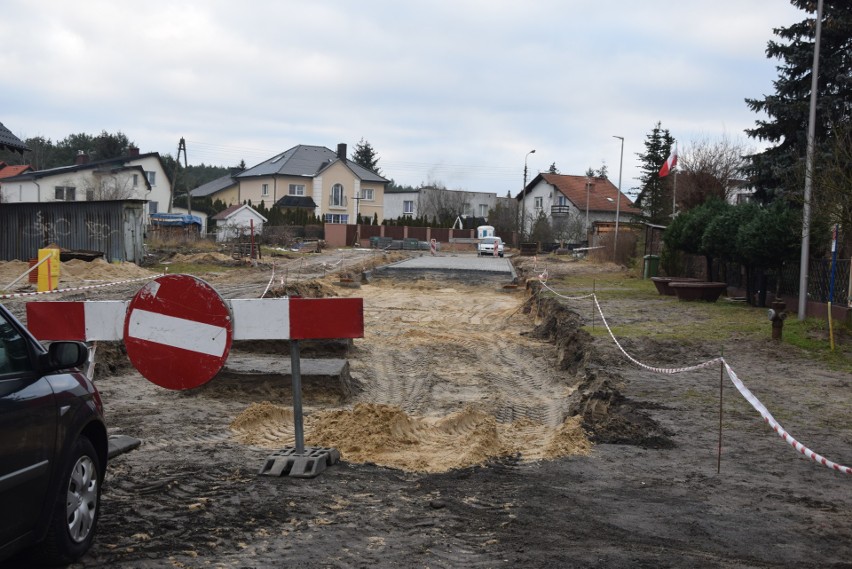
[744,391]
[770,420]
[60,290]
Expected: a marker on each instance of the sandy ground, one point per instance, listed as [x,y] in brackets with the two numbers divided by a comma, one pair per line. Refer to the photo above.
[487,431]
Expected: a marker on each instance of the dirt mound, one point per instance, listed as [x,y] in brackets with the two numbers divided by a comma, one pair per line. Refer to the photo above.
[386,435]
[305,289]
[101,270]
[76,271]
[208,257]
[609,417]
[606,414]
[563,327]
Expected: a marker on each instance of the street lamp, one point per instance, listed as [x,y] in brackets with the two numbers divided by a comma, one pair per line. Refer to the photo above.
[523,197]
[618,199]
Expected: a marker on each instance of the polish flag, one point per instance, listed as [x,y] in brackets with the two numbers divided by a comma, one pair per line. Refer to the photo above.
[669,164]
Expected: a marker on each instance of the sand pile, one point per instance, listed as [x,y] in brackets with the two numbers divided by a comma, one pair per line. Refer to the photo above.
[76,271]
[101,270]
[209,257]
[386,435]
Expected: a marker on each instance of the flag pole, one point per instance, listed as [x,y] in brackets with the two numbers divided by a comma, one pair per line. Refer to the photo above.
[674,194]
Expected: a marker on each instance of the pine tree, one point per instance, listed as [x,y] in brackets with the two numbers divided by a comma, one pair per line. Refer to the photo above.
[364,155]
[655,193]
[778,169]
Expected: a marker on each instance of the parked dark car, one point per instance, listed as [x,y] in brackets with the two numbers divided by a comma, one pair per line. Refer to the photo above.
[53,447]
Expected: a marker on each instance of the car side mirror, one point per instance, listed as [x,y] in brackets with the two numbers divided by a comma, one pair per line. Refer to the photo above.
[62,355]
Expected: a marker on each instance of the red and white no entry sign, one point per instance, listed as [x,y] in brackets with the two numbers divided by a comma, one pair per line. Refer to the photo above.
[178,331]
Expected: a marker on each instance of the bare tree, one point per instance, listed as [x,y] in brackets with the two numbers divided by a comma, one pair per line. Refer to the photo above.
[441,204]
[569,228]
[710,168]
[113,186]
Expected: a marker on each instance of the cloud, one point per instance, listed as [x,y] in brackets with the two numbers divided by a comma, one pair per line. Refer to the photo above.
[456,90]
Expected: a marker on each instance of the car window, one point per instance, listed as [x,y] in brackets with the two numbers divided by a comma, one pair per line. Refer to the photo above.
[14,356]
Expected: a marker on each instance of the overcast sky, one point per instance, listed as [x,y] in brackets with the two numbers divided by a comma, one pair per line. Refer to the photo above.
[456,92]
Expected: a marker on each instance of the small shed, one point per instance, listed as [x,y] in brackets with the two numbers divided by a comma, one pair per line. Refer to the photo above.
[174,224]
[238,221]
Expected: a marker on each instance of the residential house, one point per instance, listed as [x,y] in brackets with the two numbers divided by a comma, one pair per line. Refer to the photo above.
[575,204]
[315,178]
[132,177]
[9,171]
[440,203]
[226,189]
[236,221]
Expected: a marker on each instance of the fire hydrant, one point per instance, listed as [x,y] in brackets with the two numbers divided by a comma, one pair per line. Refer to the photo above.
[777,315]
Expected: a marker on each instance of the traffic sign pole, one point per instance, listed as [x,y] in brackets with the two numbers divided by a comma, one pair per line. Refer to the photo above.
[296,373]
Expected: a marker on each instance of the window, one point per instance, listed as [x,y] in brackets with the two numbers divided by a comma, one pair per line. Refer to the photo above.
[408,207]
[90,195]
[264,189]
[539,203]
[337,199]
[367,194]
[152,177]
[561,200]
[467,209]
[297,189]
[13,349]
[483,210]
[153,207]
[135,180]
[336,218]
[66,194]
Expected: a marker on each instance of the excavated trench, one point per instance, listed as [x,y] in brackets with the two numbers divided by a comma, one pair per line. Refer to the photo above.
[607,415]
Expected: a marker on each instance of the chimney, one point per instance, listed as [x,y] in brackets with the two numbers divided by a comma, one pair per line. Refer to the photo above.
[341,151]
[82,158]
[133,151]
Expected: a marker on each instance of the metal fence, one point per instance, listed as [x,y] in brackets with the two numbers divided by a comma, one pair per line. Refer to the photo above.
[819,280]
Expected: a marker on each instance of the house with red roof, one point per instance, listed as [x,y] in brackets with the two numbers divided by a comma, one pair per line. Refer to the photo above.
[7,171]
[582,202]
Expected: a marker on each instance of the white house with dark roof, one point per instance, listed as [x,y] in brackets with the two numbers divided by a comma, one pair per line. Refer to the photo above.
[238,220]
[315,178]
[135,176]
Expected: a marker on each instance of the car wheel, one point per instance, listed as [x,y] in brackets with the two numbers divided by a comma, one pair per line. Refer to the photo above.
[75,513]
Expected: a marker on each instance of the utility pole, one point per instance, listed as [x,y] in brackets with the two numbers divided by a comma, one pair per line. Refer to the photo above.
[809,173]
[524,197]
[618,200]
[181,147]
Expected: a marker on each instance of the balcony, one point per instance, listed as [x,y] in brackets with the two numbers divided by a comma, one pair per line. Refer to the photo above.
[559,210]
[337,202]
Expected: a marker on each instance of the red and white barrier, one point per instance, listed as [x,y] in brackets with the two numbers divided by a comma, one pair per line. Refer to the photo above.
[253,319]
[178,331]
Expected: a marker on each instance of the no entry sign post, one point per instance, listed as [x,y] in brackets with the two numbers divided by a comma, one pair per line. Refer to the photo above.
[178,332]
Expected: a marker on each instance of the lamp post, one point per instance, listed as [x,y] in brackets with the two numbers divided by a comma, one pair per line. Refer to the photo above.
[588,188]
[523,197]
[618,199]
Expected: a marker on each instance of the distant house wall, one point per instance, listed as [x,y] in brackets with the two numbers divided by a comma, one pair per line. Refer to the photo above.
[394,202]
